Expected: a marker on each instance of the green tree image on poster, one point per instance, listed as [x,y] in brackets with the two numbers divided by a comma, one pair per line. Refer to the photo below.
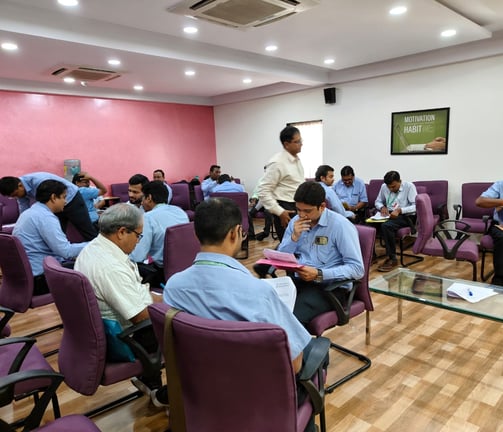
[420,132]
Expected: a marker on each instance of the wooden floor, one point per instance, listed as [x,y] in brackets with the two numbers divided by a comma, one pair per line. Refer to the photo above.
[436,371]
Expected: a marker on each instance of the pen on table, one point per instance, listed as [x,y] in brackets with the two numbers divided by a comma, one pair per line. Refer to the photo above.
[470,293]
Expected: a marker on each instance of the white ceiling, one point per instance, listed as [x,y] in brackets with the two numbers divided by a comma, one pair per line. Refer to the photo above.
[360,34]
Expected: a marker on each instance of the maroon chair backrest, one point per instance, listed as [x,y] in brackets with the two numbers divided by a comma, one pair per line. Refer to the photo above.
[437,191]
[16,291]
[181,195]
[180,248]
[198,194]
[243,382]
[373,188]
[425,222]
[82,352]
[10,211]
[120,190]
[469,193]
[241,199]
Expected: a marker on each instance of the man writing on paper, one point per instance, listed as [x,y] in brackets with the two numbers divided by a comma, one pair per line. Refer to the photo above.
[396,199]
[327,245]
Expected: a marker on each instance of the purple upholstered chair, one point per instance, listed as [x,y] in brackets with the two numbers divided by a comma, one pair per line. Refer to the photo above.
[243,382]
[20,354]
[5,315]
[198,195]
[16,291]
[181,198]
[477,218]
[373,188]
[82,354]
[437,240]
[10,213]
[77,423]
[437,190]
[180,248]
[241,199]
[362,302]
[120,190]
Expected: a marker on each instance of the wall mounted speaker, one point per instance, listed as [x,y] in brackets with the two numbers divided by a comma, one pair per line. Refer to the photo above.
[329,95]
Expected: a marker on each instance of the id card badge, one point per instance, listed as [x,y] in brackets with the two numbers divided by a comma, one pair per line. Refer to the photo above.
[321,240]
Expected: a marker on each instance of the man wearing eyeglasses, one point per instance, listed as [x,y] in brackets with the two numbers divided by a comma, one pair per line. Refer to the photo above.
[327,245]
[121,295]
[158,216]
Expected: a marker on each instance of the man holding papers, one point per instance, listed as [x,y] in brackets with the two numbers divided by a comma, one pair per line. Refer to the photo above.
[396,199]
[327,246]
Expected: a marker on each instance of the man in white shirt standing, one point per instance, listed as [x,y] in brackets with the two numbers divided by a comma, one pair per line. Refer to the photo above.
[284,174]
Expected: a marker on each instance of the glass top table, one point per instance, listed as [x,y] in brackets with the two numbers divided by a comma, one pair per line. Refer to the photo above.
[405,284]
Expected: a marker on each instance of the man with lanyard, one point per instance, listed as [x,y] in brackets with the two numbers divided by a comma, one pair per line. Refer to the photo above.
[493,198]
[327,245]
[396,200]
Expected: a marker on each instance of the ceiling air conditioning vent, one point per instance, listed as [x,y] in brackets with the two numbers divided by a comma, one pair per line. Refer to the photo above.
[242,13]
[85,74]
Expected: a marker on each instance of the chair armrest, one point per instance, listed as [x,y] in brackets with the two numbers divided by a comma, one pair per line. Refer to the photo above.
[151,362]
[461,236]
[8,382]
[313,370]
[441,225]
[341,310]
[7,315]
[457,208]
[23,351]
[487,224]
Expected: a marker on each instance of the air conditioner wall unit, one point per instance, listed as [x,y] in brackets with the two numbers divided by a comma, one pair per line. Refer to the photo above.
[242,13]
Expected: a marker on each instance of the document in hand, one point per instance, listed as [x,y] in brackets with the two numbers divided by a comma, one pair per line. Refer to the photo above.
[280,260]
[285,288]
[378,217]
[470,293]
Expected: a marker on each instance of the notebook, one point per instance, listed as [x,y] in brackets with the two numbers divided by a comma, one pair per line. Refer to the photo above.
[280,260]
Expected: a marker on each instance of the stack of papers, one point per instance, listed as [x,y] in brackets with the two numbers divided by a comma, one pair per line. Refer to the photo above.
[285,288]
[470,293]
[281,260]
[378,217]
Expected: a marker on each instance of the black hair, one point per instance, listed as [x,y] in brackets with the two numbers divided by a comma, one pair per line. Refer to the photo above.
[214,167]
[47,188]
[214,218]
[286,135]
[77,177]
[391,176]
[157,191]
[138,179]
[159,170]
[8,185]
[223,178]
[322,171]
[311,193]
[347,170]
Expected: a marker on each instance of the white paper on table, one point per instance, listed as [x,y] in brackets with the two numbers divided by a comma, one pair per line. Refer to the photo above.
[470,293]
[285,288]
[379,216]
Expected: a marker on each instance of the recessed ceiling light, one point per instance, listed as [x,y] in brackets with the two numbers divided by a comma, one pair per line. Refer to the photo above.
[69,80]
[138,87]
[9,46]
[271,48]
[83,84]
[190,72]
[399,10]
[114,62]
[328,61]
[448,33]
[68,2]
[190,30]
[247,81]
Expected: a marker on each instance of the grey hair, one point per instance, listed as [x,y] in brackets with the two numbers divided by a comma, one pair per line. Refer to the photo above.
[120,215]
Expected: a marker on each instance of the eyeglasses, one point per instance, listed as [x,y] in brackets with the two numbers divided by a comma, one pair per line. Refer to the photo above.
[139,236]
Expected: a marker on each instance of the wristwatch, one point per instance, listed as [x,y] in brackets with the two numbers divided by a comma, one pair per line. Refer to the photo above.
[319,278]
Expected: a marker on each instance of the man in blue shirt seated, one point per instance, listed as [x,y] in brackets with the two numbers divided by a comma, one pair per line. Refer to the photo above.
[135,189]
[217,286]
[40,232]
[226,184]
[325,177]
[352,192]
[493,198]
[158,175]
[24,189]
[210,181]
[158,216]
[327,245]
[82,181]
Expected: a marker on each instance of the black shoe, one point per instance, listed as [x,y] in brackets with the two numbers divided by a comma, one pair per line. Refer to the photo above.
[261,236]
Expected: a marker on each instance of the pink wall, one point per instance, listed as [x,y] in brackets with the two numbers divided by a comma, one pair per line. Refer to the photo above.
[114,139]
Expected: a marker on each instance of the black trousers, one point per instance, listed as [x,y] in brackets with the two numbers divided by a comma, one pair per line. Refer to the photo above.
[289,206]
[76,212]
[388,232]
[497,236]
